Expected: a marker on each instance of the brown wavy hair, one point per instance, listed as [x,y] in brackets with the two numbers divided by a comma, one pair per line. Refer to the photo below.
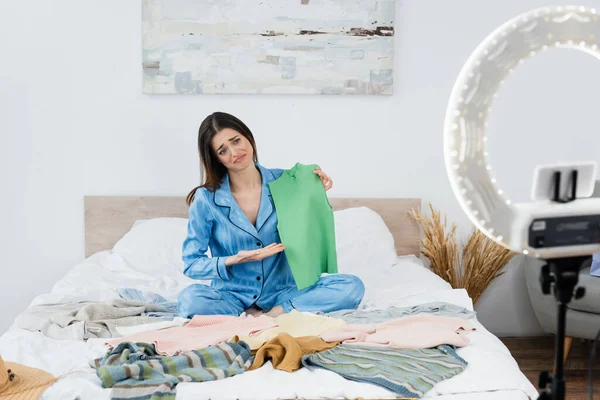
[212,171]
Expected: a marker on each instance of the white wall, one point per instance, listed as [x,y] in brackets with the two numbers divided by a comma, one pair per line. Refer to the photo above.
[73,122]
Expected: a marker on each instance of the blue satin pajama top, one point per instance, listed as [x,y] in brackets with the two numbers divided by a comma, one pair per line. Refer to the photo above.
[218,223]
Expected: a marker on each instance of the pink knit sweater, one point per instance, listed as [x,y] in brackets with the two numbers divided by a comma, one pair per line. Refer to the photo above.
[202,331]
[419,331]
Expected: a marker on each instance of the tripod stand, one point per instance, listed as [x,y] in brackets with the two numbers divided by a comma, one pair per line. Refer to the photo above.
[562,275]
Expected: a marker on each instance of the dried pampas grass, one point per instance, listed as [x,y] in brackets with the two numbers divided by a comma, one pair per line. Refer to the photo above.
[480,262]
[439,246]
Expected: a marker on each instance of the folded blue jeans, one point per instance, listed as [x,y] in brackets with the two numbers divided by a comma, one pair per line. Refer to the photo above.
[153,298]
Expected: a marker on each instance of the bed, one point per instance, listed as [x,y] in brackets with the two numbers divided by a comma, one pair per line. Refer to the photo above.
[136,242]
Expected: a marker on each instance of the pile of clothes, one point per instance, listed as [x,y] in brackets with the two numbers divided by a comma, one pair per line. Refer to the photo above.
[150,350]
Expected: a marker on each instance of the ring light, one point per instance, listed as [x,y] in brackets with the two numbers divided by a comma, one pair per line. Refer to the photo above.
[563,231]
[465,141]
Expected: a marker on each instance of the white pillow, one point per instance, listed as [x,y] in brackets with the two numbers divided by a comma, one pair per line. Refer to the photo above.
[154,245]
[364,243]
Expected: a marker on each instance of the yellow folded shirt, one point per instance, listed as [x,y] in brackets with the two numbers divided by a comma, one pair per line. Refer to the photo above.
[296,324]
[286,352]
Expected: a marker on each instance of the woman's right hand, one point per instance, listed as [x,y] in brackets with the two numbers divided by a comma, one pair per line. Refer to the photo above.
[245,256]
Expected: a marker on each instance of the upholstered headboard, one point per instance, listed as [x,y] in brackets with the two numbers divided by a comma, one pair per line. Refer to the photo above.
[108,218]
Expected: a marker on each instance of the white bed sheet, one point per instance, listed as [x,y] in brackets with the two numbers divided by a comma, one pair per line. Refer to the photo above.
[492,372]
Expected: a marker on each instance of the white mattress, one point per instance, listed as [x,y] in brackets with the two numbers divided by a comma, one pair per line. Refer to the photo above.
[492,373]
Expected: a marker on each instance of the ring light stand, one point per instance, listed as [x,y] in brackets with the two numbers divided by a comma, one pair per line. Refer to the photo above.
[562,229]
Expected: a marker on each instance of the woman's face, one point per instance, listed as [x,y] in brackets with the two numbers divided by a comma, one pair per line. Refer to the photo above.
[233,150]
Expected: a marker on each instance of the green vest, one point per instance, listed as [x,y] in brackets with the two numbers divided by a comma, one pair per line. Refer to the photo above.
[305,224]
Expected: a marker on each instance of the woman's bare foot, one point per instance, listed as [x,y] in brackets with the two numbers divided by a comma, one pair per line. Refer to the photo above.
[255,312]
[275,311]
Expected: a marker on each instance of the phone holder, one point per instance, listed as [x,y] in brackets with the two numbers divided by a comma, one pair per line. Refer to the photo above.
[563,183]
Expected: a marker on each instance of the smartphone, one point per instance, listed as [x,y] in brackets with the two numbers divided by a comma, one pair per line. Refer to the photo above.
[544,178]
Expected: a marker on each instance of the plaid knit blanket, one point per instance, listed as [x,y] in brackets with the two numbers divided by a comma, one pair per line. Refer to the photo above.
[135,371]
[407,372]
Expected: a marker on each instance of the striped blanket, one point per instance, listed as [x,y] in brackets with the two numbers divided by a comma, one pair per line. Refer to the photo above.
[407,372]
[135,371]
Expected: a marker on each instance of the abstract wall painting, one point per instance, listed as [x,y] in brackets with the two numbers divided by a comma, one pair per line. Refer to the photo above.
[328,47]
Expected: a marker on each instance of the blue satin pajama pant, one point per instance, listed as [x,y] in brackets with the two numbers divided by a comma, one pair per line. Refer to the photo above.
[330,293]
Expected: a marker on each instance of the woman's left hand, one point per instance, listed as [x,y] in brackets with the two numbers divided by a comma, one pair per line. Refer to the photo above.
[325,179]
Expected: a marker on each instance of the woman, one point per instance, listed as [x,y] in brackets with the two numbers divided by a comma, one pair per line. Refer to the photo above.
[233,214]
